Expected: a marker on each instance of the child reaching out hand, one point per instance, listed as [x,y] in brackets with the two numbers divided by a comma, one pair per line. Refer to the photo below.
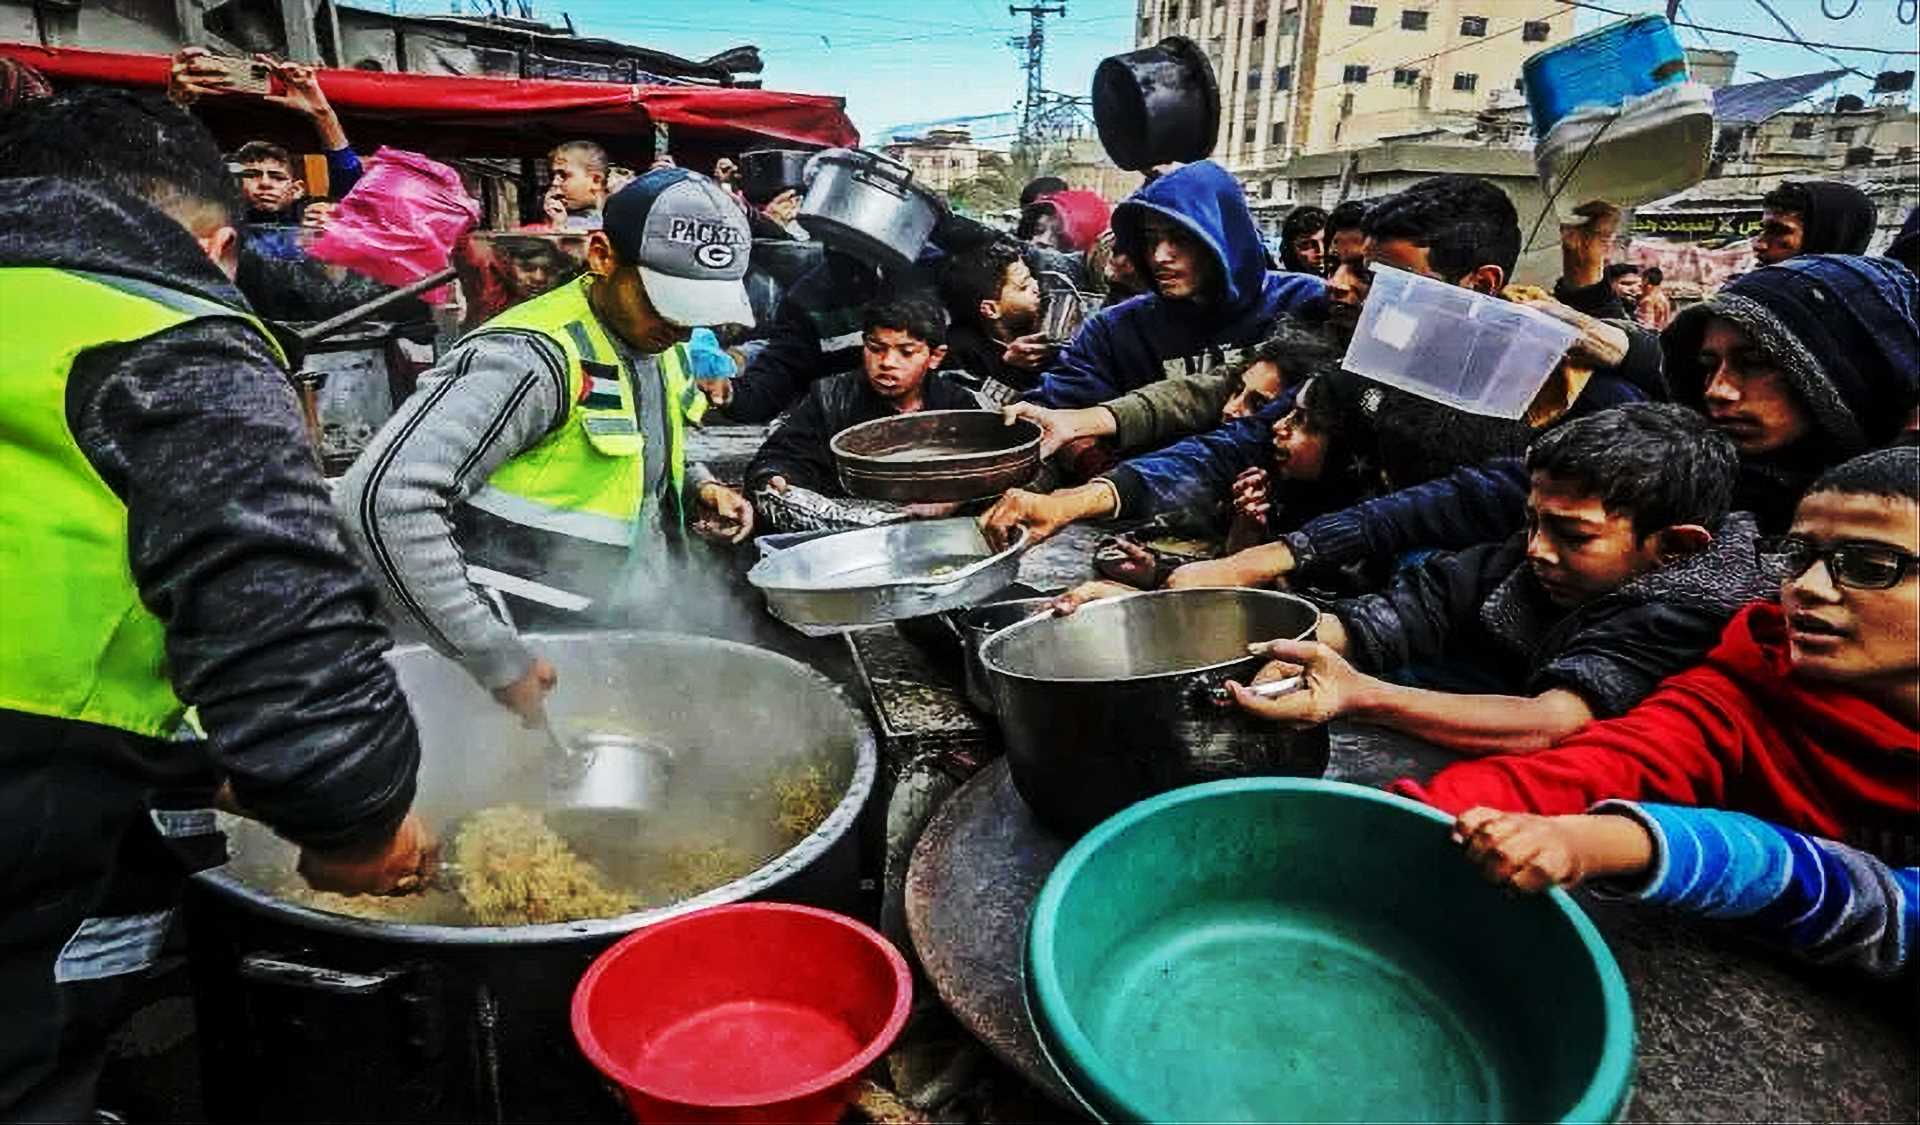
[1825,901]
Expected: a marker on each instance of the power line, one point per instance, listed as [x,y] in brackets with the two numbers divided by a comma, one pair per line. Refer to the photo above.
[891,20]
[1680,9]
[1751,34]
[1788,28]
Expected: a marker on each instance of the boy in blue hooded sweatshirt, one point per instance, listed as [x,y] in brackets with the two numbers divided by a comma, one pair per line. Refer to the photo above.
[1191,234]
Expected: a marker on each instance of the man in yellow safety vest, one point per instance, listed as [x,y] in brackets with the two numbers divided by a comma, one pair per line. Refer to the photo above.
[165,541]
[548,448]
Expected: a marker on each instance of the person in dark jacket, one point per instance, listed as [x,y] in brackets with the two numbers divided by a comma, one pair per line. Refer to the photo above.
[168,543]
[903,343]
[995,302]
[1630,569]
[816,331]
[1460,229]
[1807,711]
[1303,241]
[1803,365]
[1212,292]
[1813,217]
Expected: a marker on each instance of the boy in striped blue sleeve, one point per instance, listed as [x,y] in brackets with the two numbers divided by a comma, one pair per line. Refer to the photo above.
[1826,901]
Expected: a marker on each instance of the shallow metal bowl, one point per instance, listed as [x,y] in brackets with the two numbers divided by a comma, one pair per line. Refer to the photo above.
[936,456]
[876,574]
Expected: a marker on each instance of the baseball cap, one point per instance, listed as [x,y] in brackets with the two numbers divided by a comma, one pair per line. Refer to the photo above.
[690,241]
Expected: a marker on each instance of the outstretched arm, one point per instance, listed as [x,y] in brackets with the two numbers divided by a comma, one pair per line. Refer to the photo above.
[1824,900]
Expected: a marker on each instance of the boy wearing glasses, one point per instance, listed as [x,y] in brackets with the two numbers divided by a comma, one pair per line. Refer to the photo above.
[1807,714]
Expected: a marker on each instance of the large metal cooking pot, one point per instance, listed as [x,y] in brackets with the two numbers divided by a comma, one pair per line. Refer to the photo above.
[979,624]
[1115,703]
[309,1015]
[1157,104]
[869,206]
[354,391]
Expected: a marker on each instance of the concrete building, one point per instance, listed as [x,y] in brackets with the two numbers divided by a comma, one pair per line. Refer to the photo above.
[1324,179]
[1828,138]
[1087,166]
[1875,147]
[1311,76]
[942,159]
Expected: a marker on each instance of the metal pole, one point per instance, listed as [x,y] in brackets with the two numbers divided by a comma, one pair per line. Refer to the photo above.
[1035,45]
[359,313]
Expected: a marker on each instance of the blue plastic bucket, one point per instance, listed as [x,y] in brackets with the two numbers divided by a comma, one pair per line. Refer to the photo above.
[1604,67]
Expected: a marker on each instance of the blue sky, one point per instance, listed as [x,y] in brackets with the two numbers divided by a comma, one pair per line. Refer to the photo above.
[900,61]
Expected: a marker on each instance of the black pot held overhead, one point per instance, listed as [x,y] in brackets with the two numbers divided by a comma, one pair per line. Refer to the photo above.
[1157,104]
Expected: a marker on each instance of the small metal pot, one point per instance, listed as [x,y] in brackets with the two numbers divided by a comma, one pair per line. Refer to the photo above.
[980,623]
[1157,104]
[1116,702]
[603,771]
[869,206]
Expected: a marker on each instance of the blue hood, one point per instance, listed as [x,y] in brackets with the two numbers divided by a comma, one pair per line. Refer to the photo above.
[1208,201]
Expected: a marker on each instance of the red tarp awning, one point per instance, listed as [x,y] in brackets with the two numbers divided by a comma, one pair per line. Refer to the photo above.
[455,116]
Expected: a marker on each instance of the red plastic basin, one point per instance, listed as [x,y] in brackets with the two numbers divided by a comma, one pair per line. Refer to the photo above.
[751,1012]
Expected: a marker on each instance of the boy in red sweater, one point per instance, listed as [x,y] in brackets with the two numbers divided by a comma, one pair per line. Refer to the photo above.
[1808,712]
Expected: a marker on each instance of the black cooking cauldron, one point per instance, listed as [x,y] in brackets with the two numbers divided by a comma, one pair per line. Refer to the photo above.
[1157,104]
[766,172]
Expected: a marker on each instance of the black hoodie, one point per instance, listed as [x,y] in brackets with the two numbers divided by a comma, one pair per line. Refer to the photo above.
[1839,218]
[231,537]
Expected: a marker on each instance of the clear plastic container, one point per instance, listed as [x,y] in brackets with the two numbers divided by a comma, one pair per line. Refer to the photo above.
[1453,345]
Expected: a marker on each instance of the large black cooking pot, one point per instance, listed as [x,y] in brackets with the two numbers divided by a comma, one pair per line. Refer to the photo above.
[307,1015]
[766,172]
[1157,104]
[1116,702]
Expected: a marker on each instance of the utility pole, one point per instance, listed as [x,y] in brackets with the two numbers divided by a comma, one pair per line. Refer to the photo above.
[1034,43]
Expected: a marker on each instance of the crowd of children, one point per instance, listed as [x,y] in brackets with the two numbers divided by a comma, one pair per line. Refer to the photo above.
[1668,616]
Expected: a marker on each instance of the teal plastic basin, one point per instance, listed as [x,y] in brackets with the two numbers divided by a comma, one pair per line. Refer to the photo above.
[1286,949]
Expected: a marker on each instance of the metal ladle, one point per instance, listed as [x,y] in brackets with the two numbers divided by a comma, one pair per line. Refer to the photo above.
[602,771]
[598,777]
